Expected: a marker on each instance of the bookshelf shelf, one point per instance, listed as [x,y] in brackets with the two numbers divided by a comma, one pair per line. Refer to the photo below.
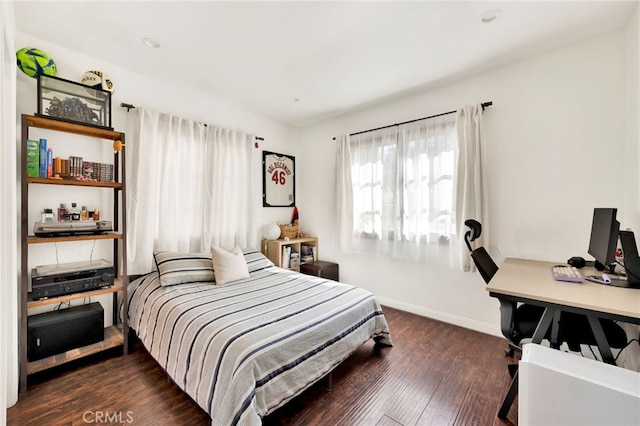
[69,182]
[113,337]
[43,240]
[78,129]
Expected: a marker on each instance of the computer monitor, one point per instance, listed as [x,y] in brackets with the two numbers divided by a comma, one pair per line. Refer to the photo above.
[604,235]
[605,231]
[631,259]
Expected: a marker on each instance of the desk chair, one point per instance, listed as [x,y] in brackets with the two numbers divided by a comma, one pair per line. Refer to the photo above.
[520,322]
[516,322]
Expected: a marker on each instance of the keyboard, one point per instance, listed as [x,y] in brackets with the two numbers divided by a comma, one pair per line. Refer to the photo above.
[566,273]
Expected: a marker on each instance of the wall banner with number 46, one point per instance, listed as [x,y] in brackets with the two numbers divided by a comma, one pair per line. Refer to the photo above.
[278,180]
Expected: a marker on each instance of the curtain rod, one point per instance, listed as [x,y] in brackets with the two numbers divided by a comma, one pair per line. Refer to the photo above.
[484,105]
[129,107]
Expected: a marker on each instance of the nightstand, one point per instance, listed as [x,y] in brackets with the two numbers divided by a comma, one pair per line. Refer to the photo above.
[319,268]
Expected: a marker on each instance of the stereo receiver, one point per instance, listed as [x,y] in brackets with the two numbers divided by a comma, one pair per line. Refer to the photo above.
[81,227]
[68,278]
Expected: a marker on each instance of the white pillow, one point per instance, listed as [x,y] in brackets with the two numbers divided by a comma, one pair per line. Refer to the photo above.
[182,268]
[229,266]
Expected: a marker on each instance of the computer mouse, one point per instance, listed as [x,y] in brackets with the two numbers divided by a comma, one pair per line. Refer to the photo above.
[606,278]
[577,261]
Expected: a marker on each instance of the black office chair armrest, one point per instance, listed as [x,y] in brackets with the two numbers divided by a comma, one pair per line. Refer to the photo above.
[507,312]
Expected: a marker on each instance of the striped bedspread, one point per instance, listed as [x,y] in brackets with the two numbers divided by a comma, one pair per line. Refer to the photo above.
[243,349]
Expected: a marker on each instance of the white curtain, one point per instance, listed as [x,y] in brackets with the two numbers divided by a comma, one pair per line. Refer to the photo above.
[402,190]
[471,190]
[188,187]
[405,191]
[8,217]
[429,149]
[344,194]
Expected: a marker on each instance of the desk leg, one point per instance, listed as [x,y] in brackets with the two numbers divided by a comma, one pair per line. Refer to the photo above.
[509,397]
[603,345]
[543,325]
[555,329]
[547,317]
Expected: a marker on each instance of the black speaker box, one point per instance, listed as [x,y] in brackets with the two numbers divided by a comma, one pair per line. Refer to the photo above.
[58,331]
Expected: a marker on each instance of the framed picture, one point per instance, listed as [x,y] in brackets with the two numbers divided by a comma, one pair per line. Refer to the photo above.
[278,180]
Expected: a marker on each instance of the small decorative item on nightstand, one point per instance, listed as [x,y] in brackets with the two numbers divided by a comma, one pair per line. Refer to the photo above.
[271,231]
[289,231]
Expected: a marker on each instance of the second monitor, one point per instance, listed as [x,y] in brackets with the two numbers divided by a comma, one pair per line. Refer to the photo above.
[605,230]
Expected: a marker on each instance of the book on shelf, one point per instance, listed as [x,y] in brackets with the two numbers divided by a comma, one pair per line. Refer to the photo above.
[75,166]
[43,158]
[33,158]
[61,167]
[101,172]
[294,259]
[49,162]
[285,257]
[42,163]
[307,253]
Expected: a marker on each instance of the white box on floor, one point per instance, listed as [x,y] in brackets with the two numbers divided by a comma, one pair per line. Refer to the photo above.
[558,388]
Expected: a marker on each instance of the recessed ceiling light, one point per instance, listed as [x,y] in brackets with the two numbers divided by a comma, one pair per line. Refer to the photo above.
[149,42]
[491,15]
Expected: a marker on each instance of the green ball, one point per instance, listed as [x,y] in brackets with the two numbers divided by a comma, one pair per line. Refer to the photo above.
[33,61]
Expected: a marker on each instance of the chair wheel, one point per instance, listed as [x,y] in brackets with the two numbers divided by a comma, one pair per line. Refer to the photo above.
[509,352]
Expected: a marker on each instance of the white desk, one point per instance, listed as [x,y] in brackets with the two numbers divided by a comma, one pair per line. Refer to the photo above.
[530,281]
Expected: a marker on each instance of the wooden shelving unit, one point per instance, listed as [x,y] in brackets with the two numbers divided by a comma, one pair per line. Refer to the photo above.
[273,249]
[115,335]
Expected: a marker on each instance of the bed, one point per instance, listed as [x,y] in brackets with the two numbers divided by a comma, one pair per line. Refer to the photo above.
[243,349]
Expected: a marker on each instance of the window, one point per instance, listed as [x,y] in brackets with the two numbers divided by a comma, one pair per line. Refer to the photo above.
[403,189]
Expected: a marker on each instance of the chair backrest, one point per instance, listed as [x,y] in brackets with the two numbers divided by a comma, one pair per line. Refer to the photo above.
[475,229]
[486,266]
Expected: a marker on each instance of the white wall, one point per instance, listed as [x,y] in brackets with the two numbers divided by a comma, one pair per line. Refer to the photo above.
[556,148]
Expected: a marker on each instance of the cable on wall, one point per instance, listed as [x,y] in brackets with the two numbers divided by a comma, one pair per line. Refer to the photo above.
[129,107]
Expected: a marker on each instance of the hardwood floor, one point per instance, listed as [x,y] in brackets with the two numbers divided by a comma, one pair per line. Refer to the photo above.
[435,374]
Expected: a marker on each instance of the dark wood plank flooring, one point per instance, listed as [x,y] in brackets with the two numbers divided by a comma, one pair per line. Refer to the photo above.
[435,374]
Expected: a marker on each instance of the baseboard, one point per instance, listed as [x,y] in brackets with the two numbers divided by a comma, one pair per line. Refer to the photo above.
[442,316]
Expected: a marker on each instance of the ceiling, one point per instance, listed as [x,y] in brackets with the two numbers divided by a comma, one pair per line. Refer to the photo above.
[332,57]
